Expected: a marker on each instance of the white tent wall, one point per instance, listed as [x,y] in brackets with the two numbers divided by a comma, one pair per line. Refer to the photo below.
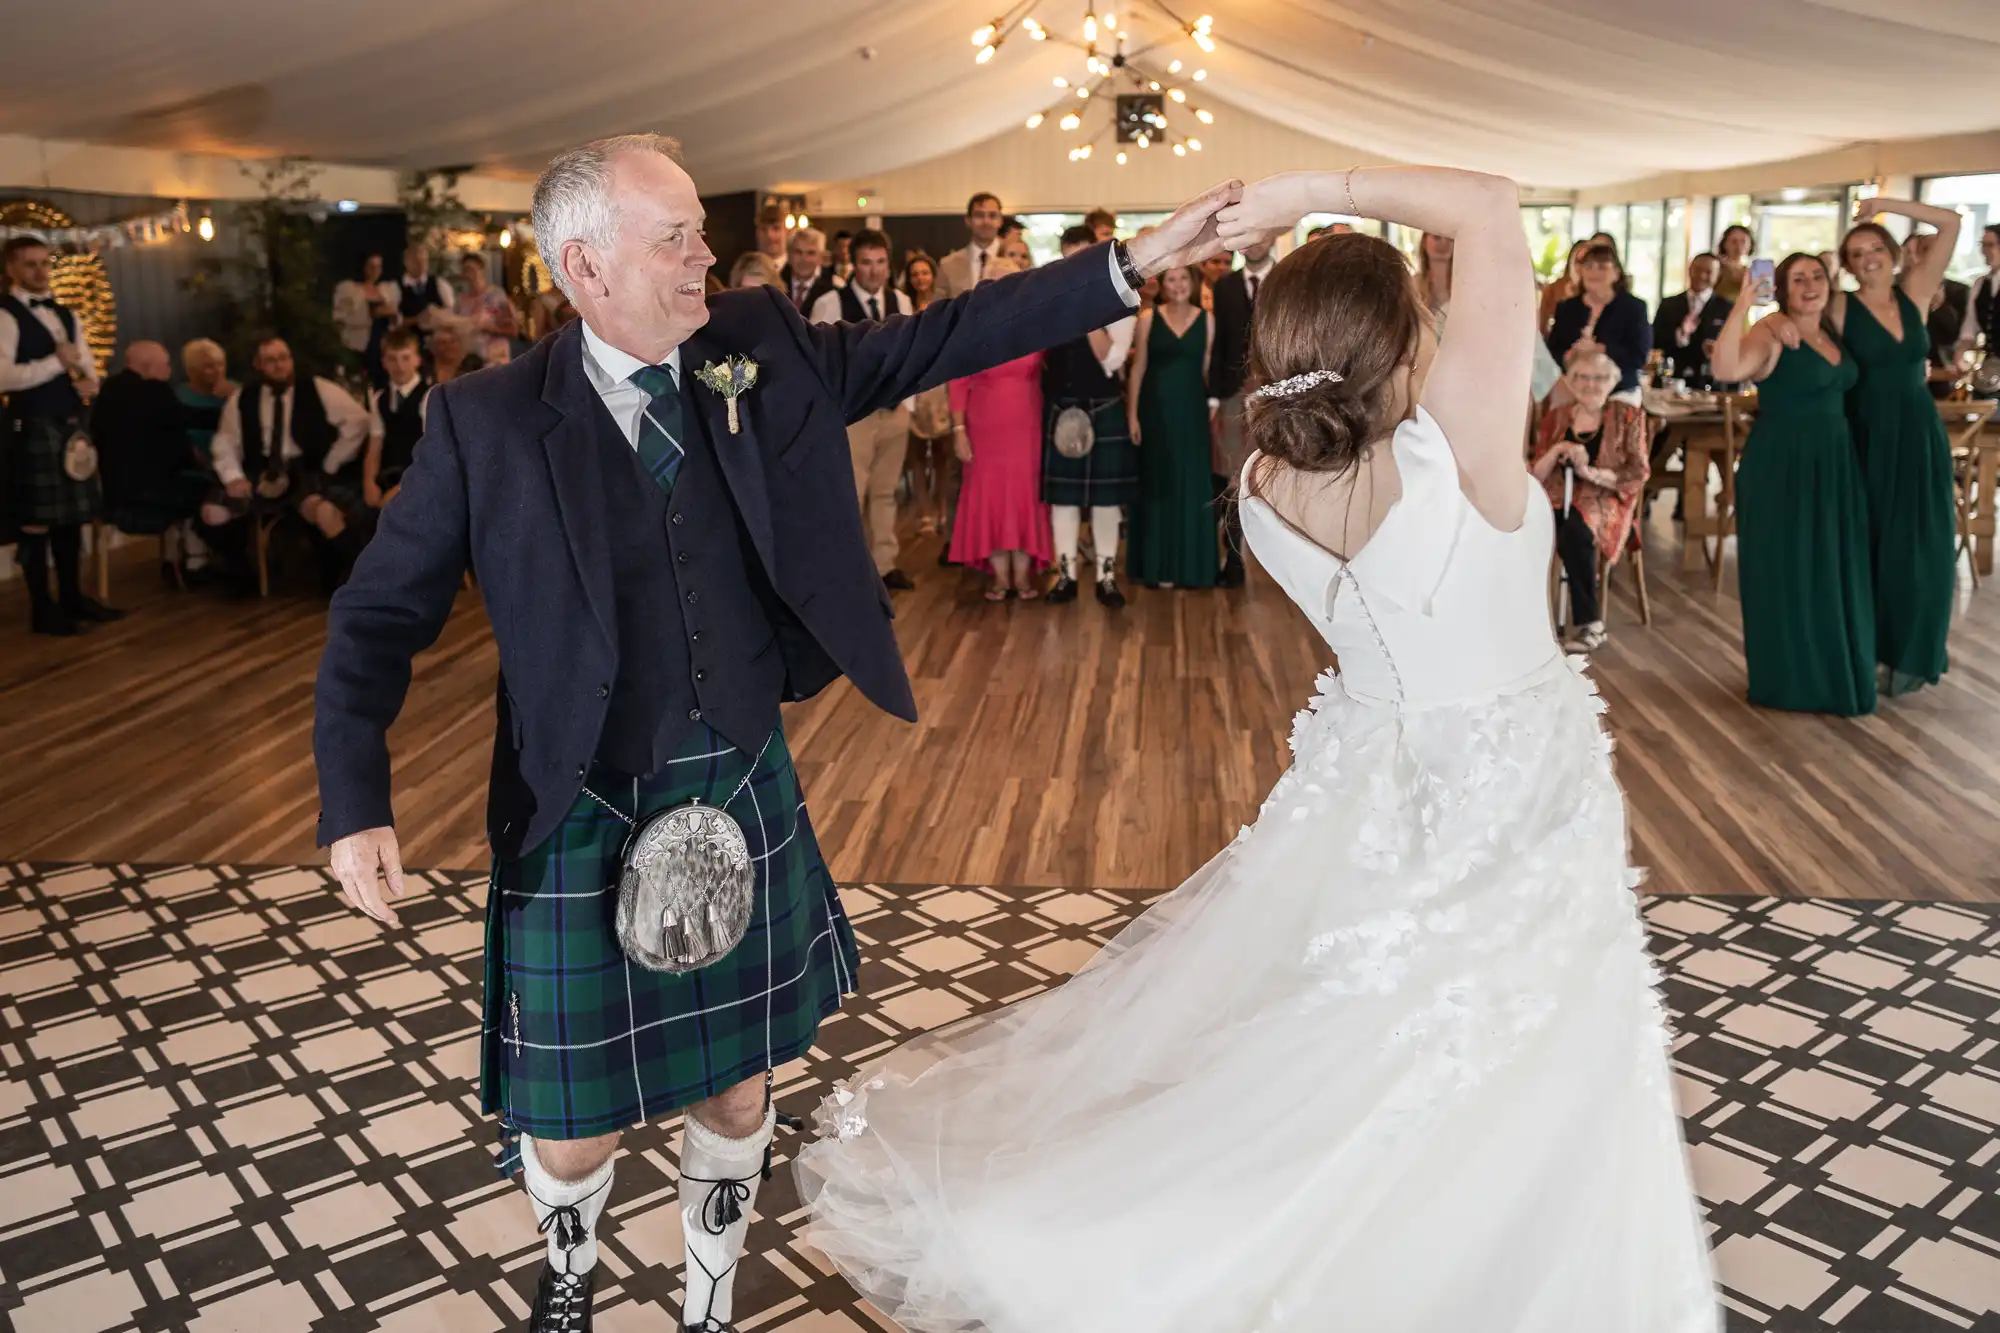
[56,164]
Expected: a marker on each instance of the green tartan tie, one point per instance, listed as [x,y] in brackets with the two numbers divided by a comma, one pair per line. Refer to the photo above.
[660,450]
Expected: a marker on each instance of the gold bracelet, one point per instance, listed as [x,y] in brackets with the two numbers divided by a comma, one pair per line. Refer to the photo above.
[1347,183]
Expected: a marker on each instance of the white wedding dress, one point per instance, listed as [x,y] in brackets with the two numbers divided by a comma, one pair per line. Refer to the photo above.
[1391,1062]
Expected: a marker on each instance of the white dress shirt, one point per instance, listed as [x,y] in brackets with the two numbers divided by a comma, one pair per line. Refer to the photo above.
[33,374]
[977,257]
[1121,343]
[352,312]
[411,284]
[349,419]
[376,430]
[1697,302]
[1255,275]
[610,373]
[889,302]
[1971,329]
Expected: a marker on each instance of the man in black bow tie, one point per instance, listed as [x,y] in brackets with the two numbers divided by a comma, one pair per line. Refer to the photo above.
[48,375]
[660,506]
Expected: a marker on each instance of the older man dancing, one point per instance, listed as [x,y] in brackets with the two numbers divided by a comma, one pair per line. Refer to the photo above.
[659,505]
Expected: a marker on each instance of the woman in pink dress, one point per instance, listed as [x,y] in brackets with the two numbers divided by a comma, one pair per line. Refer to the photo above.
[1002,524]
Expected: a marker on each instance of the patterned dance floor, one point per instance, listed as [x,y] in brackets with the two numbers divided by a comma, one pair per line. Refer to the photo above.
[227,1103]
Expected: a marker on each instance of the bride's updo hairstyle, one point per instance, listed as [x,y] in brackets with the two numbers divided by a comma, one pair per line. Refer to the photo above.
[1343,303]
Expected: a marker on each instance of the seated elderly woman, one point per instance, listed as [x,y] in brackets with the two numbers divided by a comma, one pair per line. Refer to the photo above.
[1590,456]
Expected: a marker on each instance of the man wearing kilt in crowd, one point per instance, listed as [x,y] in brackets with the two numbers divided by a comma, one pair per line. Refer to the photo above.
[659,505]
[1083,377]
[49,376]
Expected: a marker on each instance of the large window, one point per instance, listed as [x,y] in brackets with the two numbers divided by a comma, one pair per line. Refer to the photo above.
[1977,198]
[1044,230]
[1611,219]
[1785,221]
[1731,210]
[1798,221]
[1674,251]
[1548,238]
[1313,221]
[1645,225]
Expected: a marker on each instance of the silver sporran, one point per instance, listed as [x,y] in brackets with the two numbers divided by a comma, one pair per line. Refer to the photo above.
[685,889]
[1075,433]
[79,461]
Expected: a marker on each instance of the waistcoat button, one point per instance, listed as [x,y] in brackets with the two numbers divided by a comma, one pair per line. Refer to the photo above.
[694,715]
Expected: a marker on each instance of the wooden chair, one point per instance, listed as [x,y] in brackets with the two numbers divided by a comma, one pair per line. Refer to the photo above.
[1635,556]
[1725,502]
[1965,421]
[262,524]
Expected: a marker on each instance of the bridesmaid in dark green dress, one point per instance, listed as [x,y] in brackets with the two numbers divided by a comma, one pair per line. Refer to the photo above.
[1174,526]
[1905,453]
[1801,507]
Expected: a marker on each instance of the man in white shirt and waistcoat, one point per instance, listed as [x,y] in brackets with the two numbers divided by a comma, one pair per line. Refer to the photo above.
[879,441]
[49,376]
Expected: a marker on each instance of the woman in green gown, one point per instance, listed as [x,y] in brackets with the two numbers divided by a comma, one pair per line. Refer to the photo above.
[1166,403]
[1905,454]
[1801,507]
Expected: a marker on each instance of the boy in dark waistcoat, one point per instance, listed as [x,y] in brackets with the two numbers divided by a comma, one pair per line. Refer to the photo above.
[667,554]
[48,375]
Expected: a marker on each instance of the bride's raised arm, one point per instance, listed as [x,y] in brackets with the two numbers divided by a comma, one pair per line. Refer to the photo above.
[1482,369]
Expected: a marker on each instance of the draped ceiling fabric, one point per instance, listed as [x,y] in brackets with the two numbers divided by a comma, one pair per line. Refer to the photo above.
[1556,93]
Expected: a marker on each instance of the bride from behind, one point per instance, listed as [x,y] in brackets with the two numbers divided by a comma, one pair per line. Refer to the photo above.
[1393,1059]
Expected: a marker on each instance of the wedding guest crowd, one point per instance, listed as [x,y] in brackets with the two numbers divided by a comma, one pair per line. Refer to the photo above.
[1140,423]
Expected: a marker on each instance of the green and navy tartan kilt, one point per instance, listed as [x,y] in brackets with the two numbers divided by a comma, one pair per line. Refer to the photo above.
[1107,475]
[44,495]
[578,1040]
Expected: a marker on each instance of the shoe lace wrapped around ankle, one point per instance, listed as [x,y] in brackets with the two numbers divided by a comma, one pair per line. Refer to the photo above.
[568,1306]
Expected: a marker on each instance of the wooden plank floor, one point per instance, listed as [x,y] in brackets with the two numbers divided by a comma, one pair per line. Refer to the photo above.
[1058,745]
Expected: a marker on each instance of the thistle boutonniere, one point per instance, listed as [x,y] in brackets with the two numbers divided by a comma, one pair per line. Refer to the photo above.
[731,377]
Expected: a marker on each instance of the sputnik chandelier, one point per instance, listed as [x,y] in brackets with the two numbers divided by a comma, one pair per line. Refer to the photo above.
[1146,100]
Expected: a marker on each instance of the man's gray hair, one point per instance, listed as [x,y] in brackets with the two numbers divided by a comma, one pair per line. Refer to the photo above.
[573,196]
[803,235]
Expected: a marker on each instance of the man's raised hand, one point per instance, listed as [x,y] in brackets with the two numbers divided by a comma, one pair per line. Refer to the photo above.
[1188,237]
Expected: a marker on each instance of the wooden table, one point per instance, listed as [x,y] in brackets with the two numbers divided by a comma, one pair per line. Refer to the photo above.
[1709,435]
[1705,432]
[1974,428]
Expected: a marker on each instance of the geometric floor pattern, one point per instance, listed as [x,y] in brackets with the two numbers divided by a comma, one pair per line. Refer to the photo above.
[229,1104]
